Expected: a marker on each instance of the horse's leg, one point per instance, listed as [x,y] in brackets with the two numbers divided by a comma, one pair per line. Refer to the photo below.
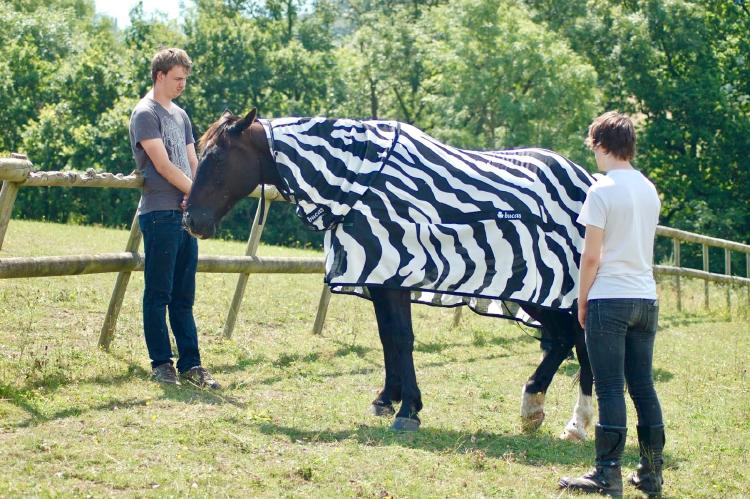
[391,392]
[545,343]
[535,389]
[583,413]
[559,345]
[393,309]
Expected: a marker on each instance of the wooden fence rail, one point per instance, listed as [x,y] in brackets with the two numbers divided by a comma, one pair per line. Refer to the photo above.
[51,266]
[17,171]
[680,236]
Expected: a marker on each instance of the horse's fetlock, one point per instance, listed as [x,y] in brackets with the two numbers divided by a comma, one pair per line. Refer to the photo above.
[532,410]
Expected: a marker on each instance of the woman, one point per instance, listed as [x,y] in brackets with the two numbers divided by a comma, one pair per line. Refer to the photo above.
[618,308]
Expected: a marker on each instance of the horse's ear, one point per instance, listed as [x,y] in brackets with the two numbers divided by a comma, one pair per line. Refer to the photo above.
[244,123]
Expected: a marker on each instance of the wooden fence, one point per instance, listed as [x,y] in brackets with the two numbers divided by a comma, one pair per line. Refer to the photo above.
[17,171]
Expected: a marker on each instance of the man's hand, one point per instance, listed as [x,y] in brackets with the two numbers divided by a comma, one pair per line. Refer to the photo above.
[183,203]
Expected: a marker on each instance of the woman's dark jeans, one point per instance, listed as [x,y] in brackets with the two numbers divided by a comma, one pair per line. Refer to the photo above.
[620,336]
[171,263]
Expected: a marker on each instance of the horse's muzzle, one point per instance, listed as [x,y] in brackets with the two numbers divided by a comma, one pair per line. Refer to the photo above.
[199,224]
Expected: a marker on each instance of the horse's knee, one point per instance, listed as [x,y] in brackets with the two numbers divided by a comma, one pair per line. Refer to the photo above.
[540,380]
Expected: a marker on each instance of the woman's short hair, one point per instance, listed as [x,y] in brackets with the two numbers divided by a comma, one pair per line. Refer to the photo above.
[166,59]
[615,133]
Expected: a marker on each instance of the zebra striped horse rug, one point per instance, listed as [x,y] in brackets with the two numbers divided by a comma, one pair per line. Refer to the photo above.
[490,230]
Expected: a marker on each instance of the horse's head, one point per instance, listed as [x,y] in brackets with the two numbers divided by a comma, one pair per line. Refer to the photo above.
[234,155]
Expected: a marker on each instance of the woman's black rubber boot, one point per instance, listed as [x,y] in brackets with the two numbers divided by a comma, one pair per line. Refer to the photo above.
[606,477]
[648,478]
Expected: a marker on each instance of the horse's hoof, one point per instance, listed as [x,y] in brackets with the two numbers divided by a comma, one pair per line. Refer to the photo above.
[405,424]
[532,422]
[382,410]
[573,435]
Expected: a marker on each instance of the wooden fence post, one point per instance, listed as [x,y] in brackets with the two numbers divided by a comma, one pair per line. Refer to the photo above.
[457,317]
[705,283]
[676,254]
[7,199]
[253,241]
[320,317]
[15,170]
[118,293]
[728,271]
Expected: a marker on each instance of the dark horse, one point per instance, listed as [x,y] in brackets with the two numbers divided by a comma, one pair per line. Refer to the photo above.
[236,157]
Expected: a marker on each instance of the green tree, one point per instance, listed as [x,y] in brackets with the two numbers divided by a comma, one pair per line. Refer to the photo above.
[266,56]
[506,81]
[385,68]
[680,67]
[35,43]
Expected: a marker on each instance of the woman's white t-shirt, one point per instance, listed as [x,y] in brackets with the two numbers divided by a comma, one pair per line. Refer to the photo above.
[626,206]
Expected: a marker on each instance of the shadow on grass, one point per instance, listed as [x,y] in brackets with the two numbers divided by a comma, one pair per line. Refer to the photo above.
[241,364]
[358,350]
[661,375]
[26,398]
[479,341]
[182,394]
[377,368]
[531,449]
[24,401]
[534,449]
[287,359]
[188,394]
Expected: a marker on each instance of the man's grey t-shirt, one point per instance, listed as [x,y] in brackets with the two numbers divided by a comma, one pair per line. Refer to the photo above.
[151,121]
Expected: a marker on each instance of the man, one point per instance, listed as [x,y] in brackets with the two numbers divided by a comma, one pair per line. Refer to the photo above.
[164,149]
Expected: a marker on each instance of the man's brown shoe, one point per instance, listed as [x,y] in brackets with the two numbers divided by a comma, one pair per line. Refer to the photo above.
[198,376]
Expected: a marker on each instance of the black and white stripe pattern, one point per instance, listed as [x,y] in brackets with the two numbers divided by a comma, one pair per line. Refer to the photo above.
[484,229]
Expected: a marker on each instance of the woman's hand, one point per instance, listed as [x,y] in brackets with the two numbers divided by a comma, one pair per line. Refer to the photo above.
[583,309]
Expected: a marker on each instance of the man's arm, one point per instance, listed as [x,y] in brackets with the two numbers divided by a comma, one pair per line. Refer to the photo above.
[590,259]
[192,158]
[158,155]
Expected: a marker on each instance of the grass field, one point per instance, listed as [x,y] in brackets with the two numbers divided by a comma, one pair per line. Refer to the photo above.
[292,422]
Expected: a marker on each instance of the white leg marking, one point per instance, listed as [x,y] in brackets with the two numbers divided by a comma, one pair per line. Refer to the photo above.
[532,410]
[583,418]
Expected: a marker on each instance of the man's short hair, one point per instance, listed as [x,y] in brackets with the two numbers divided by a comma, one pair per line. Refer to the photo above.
[166,59]
[615,133]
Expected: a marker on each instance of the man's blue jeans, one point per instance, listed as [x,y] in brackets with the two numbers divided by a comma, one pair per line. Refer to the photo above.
[620,335]
[171,263]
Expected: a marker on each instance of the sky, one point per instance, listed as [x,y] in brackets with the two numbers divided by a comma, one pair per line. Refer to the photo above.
[119,9]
